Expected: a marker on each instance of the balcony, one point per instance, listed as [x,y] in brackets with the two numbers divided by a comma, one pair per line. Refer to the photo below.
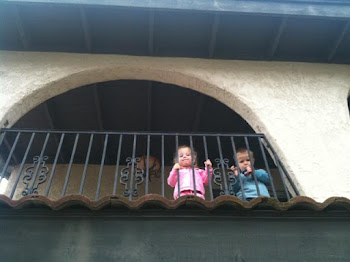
[128,165]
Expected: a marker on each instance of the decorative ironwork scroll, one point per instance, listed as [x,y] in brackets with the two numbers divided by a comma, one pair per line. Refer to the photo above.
[39,167]
[131,170]
[222,169]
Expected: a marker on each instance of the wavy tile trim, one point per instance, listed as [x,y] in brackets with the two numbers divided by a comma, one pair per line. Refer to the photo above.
[157,201]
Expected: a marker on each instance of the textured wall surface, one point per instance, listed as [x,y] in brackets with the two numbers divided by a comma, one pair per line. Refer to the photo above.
[301,107]
[64,236]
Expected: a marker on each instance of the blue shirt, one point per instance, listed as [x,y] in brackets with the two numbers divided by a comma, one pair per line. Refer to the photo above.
[249,186]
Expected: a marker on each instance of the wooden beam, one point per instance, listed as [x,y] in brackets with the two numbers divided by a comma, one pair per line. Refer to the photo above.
[149,106]
[20,29]
[197,116]
[338,41]
[277,38]
[151,33]
[86,30]
[99,118]
[213,35]
[48,115]
[98,107]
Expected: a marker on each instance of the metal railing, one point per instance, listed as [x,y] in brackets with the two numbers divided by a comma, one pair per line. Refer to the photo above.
[131,164]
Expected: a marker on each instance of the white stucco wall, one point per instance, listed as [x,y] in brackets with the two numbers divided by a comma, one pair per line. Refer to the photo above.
[301,107]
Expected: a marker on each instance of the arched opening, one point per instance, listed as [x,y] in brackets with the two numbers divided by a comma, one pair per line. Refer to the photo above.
[132,106]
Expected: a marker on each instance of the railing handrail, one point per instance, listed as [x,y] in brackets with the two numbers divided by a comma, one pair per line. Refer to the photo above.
[158,133]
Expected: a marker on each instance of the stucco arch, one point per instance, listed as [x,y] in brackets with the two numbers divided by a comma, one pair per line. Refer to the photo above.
[89,76]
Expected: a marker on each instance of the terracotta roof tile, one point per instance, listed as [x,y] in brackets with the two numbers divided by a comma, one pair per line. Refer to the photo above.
[157,201]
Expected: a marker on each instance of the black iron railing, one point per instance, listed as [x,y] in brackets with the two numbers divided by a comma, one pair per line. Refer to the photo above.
[129,164]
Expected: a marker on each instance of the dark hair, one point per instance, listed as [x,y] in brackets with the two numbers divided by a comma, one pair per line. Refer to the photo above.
[194,153]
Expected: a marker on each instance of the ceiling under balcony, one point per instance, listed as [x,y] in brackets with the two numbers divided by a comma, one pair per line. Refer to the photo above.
[299,30]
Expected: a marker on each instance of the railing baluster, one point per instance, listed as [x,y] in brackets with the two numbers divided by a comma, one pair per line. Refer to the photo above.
[133,163]
[9,157]
[252,165]
[22,165]
[163,180]
[222,164]
[14,158]
[30,190]
[2,137]
[70,166]
[267,167]
[101,168]
[208,170]
[296,191]
[192,164]
[177,160]
[147,162]
[279,168]
[238,169]
[82,183]
[54,165]
[117,165]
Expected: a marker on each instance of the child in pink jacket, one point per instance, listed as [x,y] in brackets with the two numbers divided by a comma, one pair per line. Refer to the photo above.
[184,167]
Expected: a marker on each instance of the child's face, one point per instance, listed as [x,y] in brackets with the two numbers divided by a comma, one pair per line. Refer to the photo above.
[185,159]
[243,160]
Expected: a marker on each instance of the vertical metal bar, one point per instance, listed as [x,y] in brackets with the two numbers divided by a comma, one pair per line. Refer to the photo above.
[14,158]
[2,137]
[278,167]
[9,157]
[133,163]
[101,168]
[252,165]
[267,167]
[70,165]
[192,163]
[177,160]
[163,180]
[82,183]
[22,165]
[54,165]
[117,166]
[147,162]
[239,170]
[296,191]
[222,164]
[39,162]
[208,171]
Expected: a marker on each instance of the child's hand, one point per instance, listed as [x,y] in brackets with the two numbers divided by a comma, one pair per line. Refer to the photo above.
[177,166]
[235,170]
[208,163]
[249,170]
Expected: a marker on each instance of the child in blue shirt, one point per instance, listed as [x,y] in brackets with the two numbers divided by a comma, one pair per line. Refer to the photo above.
[247,176]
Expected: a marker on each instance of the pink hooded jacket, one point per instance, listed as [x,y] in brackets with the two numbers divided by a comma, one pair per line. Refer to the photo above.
[186,180]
